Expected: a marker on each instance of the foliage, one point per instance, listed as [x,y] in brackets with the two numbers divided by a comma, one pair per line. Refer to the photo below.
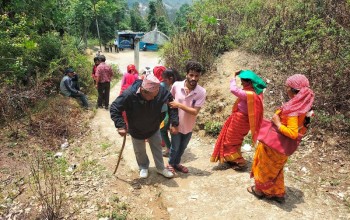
[16,103]
[213,128]
[49,121]
[47,178]
[137,23]
[198,43]
[182,16]
[151,17]
[157,16]
[308,37]
[35,48]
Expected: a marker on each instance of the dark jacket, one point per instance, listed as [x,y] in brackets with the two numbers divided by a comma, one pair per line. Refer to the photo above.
[144,116]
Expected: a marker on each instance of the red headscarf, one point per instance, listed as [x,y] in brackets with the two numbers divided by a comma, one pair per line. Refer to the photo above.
[158,71]
[301,103]
[131,67]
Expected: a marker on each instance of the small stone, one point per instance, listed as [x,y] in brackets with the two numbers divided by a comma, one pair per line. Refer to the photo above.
[58,154]
[303,169]
[341,195]
[194,197]
[343,171]
[247,147]
[65,144]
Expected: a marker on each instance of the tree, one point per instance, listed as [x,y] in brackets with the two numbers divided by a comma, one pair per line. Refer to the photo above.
[163,25]
[137,22]
[151,18]
[181,16]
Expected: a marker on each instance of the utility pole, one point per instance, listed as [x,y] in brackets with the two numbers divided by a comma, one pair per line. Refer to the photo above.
[136,52]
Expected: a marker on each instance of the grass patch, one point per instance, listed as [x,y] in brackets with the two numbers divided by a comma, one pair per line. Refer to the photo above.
[105,146]
[213,128]
[119,210]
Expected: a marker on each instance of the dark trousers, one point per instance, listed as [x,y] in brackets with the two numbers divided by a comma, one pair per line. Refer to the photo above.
[82,98]
[116,49]
[103,94]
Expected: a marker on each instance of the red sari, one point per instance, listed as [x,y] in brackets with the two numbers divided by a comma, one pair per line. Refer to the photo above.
[236,127]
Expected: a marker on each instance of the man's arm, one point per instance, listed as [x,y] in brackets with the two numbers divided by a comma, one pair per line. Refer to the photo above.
[117,107]
[173,113]
[69,87]
[191,110]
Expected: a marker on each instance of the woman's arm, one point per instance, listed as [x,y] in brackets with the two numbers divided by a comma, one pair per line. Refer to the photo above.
[240,93]
[290,129]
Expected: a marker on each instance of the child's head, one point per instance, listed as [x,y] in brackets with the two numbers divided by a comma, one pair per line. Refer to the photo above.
[170,76]
[96,61]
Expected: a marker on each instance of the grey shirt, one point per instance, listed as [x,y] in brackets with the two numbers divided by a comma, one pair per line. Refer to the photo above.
[66,86]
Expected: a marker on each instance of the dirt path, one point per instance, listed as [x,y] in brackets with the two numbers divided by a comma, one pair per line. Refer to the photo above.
[204,193]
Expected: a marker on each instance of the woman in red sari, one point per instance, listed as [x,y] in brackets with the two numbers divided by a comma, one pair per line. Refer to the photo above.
[246,116]
[291,118]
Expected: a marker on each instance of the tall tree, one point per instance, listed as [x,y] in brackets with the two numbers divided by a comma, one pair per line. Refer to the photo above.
[163,25]
[152,15]
[181,16]
[137,22]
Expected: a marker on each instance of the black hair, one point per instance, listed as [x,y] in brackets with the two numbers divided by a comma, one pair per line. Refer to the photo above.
[295,91]
[195,66]
[68,70]
[95,59]
[170,72]
[246,80]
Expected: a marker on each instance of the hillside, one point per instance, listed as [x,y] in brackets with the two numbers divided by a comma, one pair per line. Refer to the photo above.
[316,177]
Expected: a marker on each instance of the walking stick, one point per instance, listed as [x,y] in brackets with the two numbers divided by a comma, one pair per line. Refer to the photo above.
[120,155]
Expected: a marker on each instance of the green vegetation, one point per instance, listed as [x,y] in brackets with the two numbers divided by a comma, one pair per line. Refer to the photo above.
[47,176]
[117,211]
[104,146]
[306,37]
[213,128]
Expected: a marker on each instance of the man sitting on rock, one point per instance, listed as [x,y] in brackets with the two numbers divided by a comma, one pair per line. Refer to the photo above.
[67,88]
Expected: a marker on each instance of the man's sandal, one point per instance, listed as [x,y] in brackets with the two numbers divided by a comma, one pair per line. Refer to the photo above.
[181,168]
[252,191]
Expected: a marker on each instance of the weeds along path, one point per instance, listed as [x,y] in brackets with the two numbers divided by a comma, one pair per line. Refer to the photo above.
[203,193]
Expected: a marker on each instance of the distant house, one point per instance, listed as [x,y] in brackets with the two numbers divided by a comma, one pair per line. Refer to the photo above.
[126,39]
[149,41]
[152,40]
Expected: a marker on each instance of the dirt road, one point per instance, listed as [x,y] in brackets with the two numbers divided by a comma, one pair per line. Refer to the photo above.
[203,193]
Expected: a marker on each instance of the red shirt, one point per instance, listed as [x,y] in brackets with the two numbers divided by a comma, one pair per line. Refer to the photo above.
[104,73]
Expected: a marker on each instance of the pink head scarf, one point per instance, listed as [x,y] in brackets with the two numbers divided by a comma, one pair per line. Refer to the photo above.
[301,103]
[158,71]
[150,83]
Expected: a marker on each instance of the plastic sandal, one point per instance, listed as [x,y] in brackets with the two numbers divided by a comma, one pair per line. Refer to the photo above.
[181,168]
[252,191]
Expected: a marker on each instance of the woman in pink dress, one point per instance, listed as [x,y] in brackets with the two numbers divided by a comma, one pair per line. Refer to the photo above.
[129,77]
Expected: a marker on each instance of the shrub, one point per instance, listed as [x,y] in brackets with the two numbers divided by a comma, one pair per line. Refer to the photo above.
[213,128]
[46,181]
